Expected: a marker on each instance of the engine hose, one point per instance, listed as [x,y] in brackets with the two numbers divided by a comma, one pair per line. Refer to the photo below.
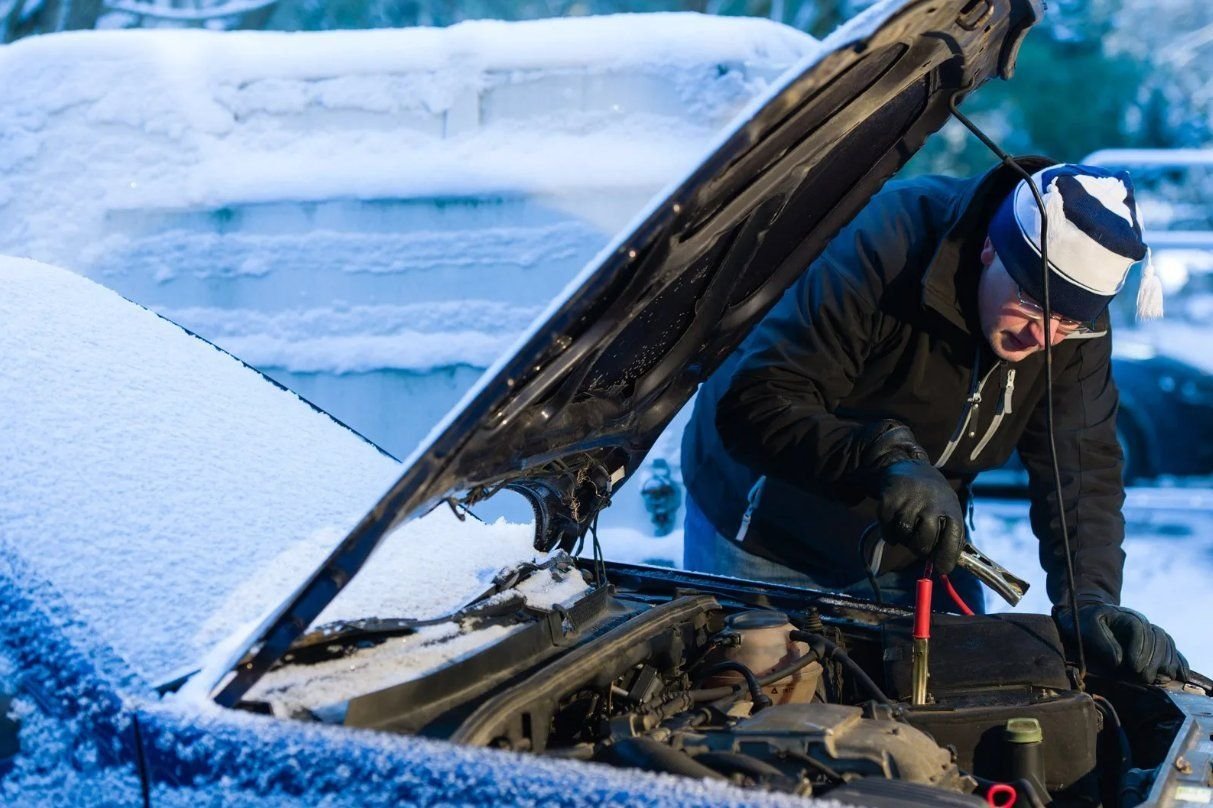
[654,756]
[759,698]
[832,651]
[1109,711]
[1028,795]
[1122,740]
[789,669]
[738,763]
[715,693]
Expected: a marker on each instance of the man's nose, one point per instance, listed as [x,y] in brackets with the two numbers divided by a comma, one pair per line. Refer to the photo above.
[1036,330]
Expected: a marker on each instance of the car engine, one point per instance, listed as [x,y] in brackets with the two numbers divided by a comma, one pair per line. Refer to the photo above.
[764,687]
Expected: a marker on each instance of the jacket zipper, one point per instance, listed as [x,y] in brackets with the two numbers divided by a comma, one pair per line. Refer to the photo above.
[752,500]
[1004,409]
[972,403]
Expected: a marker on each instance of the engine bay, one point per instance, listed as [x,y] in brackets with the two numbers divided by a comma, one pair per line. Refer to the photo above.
[762,686]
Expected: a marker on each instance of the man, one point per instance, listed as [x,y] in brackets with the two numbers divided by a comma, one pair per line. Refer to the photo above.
[909,357]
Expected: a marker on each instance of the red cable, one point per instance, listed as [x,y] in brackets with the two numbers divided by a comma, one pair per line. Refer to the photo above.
[956,598]
[1002,795]
[922,610]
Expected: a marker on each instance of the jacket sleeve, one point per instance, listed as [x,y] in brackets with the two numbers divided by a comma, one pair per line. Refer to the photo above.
[1091,464]
[803,358]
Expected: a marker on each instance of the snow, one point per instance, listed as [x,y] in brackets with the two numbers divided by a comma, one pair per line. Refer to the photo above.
[545,591]
[167,165]
[267,189]
[402,659]
[190,121]
[417,337]
[172,495]
[397,660]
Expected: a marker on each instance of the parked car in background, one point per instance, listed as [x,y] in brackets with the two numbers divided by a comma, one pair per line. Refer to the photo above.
[1165,422]
[1164,368]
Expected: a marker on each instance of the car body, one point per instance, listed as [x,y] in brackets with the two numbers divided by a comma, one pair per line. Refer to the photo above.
[1166,415]
[160,651]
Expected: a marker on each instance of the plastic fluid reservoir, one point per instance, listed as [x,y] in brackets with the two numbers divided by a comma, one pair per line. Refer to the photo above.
[1025,756]
[765,646]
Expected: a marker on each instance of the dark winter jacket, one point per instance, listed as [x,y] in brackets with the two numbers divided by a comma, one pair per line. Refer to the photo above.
[884,325]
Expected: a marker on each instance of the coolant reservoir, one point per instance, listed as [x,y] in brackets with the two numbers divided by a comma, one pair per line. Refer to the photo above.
[765,646]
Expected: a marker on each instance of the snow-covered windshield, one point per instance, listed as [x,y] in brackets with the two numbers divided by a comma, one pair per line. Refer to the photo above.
[170,495]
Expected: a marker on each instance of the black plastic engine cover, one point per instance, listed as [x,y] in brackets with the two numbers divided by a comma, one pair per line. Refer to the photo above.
[1070,723]
[978,653]
[987,669]
[873,792]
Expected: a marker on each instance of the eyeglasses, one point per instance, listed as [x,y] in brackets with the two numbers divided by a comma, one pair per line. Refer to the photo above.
[1065,325]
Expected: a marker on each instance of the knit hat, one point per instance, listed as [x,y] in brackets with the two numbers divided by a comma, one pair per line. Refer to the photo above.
[1094,237]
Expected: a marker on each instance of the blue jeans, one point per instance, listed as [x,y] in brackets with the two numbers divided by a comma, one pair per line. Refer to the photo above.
[704,549]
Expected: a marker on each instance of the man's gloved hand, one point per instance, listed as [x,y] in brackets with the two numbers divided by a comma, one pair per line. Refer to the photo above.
[1123,643]
[918,509]
[915,505]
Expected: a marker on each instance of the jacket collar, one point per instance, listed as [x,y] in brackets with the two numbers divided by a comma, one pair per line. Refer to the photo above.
[949,284]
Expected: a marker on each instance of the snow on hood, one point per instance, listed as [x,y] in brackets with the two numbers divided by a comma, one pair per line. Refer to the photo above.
[171,494]
[401,659]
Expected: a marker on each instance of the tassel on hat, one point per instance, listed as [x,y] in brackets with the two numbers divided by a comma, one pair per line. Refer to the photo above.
[1149,295]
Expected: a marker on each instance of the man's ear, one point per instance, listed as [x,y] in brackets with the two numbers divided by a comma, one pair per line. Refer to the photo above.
[987,252]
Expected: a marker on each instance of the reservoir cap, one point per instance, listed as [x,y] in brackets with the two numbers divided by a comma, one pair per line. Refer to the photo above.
[1024,730]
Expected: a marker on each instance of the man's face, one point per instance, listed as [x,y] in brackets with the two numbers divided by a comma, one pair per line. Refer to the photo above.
[1010,321]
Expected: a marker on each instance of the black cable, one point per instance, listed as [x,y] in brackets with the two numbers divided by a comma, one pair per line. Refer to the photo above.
[1122,740]
[1009,161]
[599,558]
[867,568]
[759,698]
[712,694]
[832,651]
[787,670]
[829,649]
[813,762]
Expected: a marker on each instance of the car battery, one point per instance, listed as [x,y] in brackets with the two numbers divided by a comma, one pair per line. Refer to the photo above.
[986,670]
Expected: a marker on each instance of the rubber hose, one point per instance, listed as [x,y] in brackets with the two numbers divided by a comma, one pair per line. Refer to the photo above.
[759,698]
[834,652]
[654,756]
[738,763]
[1028,795]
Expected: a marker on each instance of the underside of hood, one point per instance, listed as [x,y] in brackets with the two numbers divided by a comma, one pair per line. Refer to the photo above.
[571,413]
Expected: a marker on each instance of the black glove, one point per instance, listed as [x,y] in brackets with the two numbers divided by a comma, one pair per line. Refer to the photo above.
[918,509]
[1123,643]
[915,505]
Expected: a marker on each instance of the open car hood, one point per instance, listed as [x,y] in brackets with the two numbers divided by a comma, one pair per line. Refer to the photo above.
[572,412]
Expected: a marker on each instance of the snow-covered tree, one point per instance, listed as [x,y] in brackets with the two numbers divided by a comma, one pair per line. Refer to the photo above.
[20,18]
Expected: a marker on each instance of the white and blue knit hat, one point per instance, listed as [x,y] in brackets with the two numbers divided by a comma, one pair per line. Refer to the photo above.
[1094,237]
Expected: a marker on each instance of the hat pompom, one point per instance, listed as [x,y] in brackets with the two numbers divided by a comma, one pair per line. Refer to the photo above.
[1149,296]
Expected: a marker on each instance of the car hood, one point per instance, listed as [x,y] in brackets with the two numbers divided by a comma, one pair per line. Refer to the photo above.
[570,413]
